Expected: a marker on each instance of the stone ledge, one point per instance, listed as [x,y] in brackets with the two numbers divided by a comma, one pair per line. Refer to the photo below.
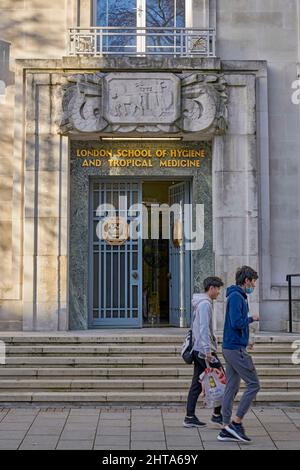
[122,63]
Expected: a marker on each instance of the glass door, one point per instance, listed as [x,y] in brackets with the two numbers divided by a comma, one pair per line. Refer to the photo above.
[115,258]
[179,257]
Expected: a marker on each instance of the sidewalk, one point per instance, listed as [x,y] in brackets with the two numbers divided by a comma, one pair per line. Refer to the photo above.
[157,428]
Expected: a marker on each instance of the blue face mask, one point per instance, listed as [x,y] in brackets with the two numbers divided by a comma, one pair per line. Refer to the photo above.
[249,290]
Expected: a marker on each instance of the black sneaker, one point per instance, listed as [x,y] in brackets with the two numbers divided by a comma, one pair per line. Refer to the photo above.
[217,421]
[193,423]
[237,430]
[225,436]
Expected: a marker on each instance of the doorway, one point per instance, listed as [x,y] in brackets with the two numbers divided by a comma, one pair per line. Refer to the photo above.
[156,276]
[144,281]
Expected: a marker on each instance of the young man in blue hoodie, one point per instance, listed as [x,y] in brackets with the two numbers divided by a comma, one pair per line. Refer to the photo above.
[239,364]
[205,348]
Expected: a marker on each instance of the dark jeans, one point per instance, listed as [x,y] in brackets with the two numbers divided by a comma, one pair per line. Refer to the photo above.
[196,387]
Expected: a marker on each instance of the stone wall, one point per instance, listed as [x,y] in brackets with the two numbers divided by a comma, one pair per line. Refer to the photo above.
[80,180]
[41,182]
[246,31]
[28,29]
[269,30]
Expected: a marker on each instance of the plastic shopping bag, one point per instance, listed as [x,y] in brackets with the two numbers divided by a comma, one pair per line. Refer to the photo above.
[213,383]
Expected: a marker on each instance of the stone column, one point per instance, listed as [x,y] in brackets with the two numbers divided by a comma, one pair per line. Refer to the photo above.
[200,14]
[85,13]
[46,209]
[235,189]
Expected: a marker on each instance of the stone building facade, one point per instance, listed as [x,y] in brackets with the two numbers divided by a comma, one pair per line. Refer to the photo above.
[228,94]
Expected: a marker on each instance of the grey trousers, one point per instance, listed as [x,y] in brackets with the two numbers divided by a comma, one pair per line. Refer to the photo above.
[239,365]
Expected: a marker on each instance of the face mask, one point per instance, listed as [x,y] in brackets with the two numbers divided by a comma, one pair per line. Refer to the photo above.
[249,290]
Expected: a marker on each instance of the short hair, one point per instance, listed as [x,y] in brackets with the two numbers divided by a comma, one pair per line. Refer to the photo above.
[212,281]
[243,273]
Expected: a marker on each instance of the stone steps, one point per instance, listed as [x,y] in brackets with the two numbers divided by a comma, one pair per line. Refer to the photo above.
[123,361]
[108,337]
[36,384]
[122,397]
[161,372]
[118,367]
[124,350]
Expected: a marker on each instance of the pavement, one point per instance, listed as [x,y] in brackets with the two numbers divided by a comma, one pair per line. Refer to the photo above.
[144,428]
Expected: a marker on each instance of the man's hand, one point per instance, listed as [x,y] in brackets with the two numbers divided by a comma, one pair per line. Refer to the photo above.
[255,317]
[208,357]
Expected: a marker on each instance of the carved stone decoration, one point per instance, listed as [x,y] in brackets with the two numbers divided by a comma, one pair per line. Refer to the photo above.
[148,103]
[204,101]
[142,98]
[82,104]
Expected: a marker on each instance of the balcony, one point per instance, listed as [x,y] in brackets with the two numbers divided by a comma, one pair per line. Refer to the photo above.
[130,41]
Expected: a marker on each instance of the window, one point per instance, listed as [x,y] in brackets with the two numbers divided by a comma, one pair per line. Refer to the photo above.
[116,15]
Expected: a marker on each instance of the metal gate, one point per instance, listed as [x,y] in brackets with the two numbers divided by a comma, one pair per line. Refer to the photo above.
[115,274]
[180,258]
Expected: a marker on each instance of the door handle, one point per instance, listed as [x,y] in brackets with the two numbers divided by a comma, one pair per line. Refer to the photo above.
[169,276]
[135,275]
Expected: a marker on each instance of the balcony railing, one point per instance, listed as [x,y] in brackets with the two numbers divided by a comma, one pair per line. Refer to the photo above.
[129,41]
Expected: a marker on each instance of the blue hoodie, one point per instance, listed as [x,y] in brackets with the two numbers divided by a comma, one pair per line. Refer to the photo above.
[236,328]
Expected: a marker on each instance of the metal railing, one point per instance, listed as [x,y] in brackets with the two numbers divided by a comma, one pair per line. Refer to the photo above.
[137,41]
[289,281]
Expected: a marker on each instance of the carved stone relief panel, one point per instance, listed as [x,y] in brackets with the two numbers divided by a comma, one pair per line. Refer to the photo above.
[151,103]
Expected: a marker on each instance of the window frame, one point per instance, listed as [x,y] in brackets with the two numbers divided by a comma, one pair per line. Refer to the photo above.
[142,3]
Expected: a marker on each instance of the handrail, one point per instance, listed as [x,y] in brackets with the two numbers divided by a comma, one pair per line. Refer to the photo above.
[289,280]
[142,41]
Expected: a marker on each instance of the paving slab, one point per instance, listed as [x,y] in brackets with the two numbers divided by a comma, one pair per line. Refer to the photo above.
[112,423]
[189,441]
[288,445]
[284,427]
[39,443]
[146,412]
[174,424]
[12,435]
[228,446]
[17,426]
[44,431]
[113,431]
[147,436]
[285,436]
[112,416]
[180,430]
[112,440]
[148,429]
[256,432]
[296,422]
[78,435]
[179,448]
[75,445]
[142,445]
[108,447]
[82,427]
[258,447]
[9,444]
